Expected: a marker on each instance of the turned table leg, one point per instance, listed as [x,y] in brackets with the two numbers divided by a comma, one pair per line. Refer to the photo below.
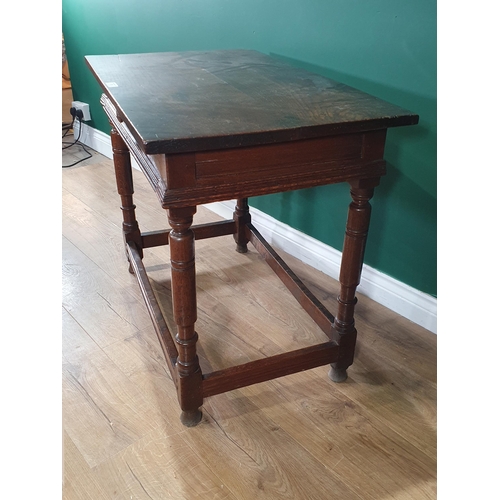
[358,221]
[125,187]
[181,241]
[242,217]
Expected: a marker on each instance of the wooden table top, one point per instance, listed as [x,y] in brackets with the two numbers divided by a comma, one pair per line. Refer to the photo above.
[193,101]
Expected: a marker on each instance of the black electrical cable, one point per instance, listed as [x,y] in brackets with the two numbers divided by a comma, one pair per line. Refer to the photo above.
[70,127]
[67,127]
[79,131]
[76,142]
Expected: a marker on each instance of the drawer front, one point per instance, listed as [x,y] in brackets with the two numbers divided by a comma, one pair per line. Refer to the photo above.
[243,172]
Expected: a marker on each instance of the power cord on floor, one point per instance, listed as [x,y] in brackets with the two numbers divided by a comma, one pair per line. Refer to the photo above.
[77,115]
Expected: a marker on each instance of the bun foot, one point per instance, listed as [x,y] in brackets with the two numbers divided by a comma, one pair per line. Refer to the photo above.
[241,248]
[337,374]
[191,418]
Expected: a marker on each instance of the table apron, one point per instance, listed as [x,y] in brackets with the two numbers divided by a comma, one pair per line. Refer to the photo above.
[306,178]
[208,176]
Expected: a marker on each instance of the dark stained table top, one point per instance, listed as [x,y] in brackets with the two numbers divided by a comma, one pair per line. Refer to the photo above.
[192,101]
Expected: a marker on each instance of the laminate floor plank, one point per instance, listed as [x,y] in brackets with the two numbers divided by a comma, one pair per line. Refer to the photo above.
[160,466]
[78,481]
[103,411]
[326,422]
[140,359]
[104,309]
[409,405]
[257,459]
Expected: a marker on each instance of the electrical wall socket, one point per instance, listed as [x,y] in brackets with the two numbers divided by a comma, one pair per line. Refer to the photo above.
[84,107]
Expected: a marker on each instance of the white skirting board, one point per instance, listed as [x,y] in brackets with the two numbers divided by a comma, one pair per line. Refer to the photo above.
[93,138]
[409,302]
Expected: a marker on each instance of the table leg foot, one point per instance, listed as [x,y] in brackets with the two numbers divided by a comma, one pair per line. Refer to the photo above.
[337,374]
[191,418]
[242,217]
[130,268]
[241,248]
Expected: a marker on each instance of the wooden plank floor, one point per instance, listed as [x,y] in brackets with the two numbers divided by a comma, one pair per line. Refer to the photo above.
[298,437]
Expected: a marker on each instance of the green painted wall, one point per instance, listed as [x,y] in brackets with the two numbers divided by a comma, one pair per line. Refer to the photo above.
[384,47]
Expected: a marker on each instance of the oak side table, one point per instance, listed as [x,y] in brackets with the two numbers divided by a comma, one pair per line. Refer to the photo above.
[221,125]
